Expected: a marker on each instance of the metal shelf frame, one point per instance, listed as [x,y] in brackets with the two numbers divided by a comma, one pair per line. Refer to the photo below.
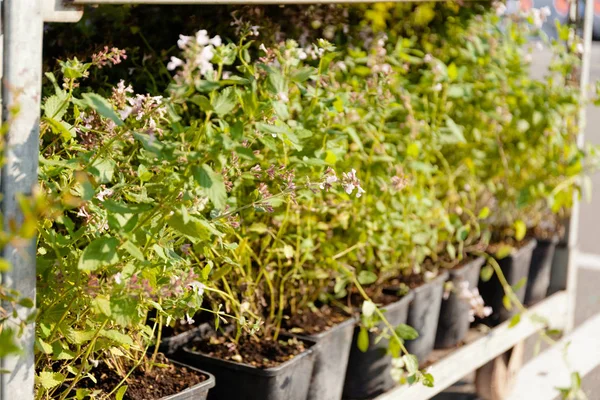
[21,27]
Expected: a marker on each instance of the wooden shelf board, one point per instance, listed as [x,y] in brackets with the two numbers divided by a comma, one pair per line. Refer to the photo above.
[449,366]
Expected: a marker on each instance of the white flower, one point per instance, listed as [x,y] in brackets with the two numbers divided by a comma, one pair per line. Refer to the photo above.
[197,287]
[183,41]
[202,37]
[428,58]
[254,30]
[500,9]
[359,191]
[350,182]
[118,278]
[368,308]
[437,87]
[216,41]
[124,113]
[104,193]
[283,97]
[174,63]
[263,48]
[579,48]
[545,11]
[188,320]
[302,54]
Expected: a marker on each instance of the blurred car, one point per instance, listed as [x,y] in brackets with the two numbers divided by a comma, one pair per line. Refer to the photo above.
[559,10]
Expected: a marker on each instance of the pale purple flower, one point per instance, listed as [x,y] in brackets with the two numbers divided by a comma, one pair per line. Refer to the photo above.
[350,182]
[329,179]
[118,278]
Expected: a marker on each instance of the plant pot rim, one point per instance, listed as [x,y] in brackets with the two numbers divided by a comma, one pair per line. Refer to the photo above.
[553,240]
[529,246]
[272,371]
[317,336]
[441,276]
[205,384]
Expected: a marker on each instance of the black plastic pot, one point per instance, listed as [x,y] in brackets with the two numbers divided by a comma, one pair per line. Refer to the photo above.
[368,373]
[331,360]
[423,315]
[287,381]
[454,323]
[514,267]
[171,344]
[196,392]
[539,271]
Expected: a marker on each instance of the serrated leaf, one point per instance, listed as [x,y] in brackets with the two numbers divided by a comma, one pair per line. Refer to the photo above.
[55,107]
[43,346]
[100,252]
[61,353]
[101,305]
[362,342]
[224,102]
[366,277]
[103,170]
[213,185]
[406,332]
[117,337]
[102,106]
[48,379]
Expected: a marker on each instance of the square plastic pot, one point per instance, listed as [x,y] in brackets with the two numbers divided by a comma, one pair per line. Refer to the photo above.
[539,271]
[196,392]
[423,315]
[368,373]
[454,323]
[514,267]
[287,381]
[331,360]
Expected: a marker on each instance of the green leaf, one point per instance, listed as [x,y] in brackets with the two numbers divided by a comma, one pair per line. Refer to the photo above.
[100,252]
[78,337]
[190,227]
[484,213]
[514,320]
[486,273]
[224,102]
[363,340]
[366,277]
[411,363]
[506,302]
[452,72]
[212,183]
[55,107]
[121,392]
[520,229]
[103,170]
[117,337]
[48,379]
[101,305]
[302,74]
[406,332]
[124,310]
[520,284]
[102,106]
[428,380]
[61,352]
[7,342]
[43,346]
[133,250]
[503,251]
[4,265]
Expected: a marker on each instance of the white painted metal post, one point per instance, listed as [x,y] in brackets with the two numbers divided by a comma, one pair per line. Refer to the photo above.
[21,88]
[574,221]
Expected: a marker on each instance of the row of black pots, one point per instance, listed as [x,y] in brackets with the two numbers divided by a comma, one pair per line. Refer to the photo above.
[333,367]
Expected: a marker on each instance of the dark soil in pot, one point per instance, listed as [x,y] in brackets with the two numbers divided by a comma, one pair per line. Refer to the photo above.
[423,315]
[174,382]
[540,269]
[454,322]
[332,329]
[271,370]
[368,373]
[515,267]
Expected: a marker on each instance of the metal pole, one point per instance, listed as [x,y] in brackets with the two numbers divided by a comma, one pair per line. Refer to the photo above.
[21,88]
[574,221]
